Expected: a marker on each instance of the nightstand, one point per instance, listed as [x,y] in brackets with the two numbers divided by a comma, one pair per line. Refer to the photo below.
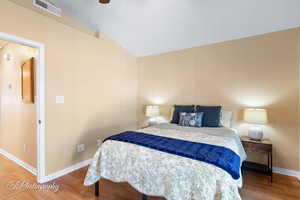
[262,147]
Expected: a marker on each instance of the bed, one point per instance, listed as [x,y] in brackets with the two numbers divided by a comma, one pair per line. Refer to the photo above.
[174,177]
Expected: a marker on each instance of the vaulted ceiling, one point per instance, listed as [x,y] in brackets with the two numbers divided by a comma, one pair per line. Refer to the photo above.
[146,27]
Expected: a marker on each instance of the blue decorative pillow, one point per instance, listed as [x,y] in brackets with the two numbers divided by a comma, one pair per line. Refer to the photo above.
[191,119]
[178,109]
[211,116]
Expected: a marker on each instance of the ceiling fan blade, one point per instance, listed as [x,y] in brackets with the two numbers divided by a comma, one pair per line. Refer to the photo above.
[104,1]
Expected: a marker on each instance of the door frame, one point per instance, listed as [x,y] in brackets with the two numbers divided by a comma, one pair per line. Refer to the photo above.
[40,99]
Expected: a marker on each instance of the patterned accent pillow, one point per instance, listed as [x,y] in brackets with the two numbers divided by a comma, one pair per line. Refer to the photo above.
[190,119]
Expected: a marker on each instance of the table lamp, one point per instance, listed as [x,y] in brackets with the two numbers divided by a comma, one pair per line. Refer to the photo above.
[152,112]
[255,116]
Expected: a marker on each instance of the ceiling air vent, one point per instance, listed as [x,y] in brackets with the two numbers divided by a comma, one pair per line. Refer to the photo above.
[48,7]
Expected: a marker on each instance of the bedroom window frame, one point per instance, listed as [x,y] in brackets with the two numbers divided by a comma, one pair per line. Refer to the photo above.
[40,99]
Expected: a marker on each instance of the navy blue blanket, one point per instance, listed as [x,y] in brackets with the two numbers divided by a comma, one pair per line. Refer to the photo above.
[219,156]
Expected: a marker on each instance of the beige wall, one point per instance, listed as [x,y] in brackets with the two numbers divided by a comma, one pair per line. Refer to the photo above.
[260,71]
[97,77]
[17,121]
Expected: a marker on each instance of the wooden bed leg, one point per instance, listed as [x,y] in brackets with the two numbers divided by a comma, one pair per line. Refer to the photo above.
[144,197]
[97,189]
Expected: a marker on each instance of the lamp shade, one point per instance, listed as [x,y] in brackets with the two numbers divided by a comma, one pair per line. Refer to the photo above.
[152,111]
[256,116]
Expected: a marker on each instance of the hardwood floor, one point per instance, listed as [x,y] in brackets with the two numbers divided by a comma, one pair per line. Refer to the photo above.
[256,187]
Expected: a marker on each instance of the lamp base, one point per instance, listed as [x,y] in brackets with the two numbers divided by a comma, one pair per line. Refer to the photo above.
[255,133]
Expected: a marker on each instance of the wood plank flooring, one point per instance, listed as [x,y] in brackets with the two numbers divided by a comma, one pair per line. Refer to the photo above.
[256,187]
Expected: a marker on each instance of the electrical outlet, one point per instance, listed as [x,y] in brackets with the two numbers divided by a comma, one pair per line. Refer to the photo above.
[80,148]
[10,86]
[99,142]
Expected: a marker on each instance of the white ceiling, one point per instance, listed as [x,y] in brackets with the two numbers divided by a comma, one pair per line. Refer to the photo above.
[146,27]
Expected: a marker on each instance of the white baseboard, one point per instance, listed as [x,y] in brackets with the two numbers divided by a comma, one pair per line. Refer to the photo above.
[287,172]
[19,162]
[65,171]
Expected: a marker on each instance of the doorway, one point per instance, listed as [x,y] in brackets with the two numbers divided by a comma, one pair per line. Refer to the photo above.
[39,102]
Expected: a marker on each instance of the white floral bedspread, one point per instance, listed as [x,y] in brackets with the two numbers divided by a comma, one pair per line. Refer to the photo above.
[157,173]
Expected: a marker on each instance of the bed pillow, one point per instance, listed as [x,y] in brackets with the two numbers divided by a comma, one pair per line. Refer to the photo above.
[211,115]
[225,118]
[190,119]
[171,114]
[178,109]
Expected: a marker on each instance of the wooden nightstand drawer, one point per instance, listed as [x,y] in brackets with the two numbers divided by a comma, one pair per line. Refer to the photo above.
[257,147]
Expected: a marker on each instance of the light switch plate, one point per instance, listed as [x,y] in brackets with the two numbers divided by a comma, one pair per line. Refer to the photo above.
[60,99]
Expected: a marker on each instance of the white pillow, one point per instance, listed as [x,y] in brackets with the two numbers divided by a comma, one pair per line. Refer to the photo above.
[226,117]
[171,114]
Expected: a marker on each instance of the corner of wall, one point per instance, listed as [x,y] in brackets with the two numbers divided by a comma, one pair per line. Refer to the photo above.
[138,110]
